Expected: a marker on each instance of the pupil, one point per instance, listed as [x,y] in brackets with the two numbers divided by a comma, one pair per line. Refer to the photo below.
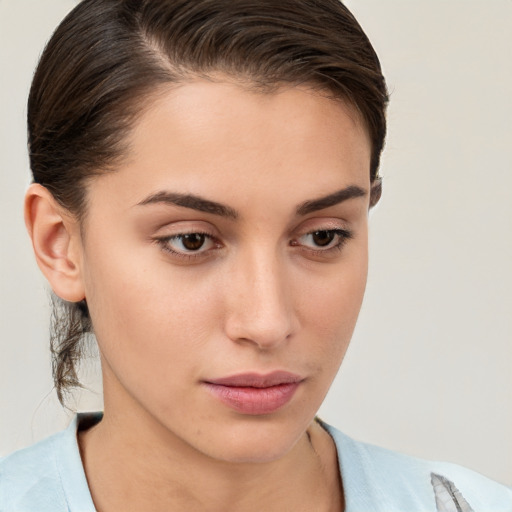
[193,242]
[323,238]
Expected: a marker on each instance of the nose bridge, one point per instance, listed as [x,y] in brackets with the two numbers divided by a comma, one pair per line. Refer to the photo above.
[261,309]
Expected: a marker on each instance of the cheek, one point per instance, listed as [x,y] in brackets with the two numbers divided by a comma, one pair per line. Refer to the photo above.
[330,306]
[336,298]
[145,313]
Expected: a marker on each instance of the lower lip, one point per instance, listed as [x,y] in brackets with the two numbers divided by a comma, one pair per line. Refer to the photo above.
[248,400]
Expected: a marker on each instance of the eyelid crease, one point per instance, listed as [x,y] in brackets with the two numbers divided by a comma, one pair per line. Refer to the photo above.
[343,234]
[172,228]
[163,242]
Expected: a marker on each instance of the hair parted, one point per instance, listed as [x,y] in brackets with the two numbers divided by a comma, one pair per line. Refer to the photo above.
[109,58]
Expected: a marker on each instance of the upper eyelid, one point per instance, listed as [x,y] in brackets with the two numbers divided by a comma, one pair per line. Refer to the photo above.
[312,225]
[200,255]
[344,234]
[171,229]
[164,243]
[338,231]
[185,233]
[174,236]
[318,222]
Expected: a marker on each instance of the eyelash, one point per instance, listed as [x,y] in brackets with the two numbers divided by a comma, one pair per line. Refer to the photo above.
[163,242]
[343,237]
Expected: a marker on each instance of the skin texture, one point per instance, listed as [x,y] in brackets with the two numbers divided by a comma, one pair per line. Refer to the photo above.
[260,295]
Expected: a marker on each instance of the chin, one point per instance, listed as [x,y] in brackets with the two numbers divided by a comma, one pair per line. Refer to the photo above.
[254,440]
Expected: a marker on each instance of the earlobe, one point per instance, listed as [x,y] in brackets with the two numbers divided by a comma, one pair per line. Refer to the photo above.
[56,241]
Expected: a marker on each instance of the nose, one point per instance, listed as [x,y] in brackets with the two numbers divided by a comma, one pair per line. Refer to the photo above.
[259,306]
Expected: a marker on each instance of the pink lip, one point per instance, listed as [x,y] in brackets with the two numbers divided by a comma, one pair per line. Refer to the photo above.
[252,393]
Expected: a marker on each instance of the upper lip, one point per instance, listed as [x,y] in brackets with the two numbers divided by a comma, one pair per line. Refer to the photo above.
[257,380]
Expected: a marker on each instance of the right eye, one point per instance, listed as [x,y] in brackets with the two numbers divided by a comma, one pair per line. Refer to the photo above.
[187,244]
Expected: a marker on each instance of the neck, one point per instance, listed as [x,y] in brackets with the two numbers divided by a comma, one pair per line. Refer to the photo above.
[131,464]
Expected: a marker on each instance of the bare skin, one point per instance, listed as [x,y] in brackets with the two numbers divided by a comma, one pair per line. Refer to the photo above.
[232,240]
[307,479]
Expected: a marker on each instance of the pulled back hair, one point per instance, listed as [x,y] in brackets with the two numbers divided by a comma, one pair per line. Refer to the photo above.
[108,59]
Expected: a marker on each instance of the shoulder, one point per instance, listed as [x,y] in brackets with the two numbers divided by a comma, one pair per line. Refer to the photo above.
[29,474]
[46,477]
[410,483]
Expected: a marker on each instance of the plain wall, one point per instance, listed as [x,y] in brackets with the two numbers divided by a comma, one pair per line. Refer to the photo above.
[429,371]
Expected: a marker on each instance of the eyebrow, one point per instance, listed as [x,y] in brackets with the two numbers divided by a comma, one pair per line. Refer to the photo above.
[191,201]
[201,204]
[331,200]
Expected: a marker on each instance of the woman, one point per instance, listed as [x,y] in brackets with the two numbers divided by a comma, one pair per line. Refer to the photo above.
[202,178]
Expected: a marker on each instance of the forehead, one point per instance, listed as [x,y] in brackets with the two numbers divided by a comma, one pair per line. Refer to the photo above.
[214,137]
[236,109]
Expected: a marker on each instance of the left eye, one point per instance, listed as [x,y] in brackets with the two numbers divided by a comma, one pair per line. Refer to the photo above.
[324,239]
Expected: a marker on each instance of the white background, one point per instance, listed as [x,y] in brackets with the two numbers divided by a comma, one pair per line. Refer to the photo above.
[429,371]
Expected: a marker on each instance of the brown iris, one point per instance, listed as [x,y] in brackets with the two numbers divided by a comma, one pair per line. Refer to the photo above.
[323,238]
[193,241]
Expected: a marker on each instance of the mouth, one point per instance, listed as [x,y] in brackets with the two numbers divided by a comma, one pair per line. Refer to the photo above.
[255,394]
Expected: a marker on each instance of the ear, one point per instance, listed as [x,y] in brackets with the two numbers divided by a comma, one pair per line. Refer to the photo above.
[375,191]
[56,240]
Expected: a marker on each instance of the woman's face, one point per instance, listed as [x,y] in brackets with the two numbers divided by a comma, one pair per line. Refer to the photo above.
[224,265]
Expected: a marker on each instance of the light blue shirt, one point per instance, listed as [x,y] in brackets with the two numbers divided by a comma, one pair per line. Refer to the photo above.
[49,477]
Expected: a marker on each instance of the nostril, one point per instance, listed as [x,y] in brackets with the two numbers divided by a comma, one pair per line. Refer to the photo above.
[262,328]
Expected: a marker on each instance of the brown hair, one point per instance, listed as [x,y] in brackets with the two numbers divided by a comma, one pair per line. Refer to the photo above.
[108,57]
